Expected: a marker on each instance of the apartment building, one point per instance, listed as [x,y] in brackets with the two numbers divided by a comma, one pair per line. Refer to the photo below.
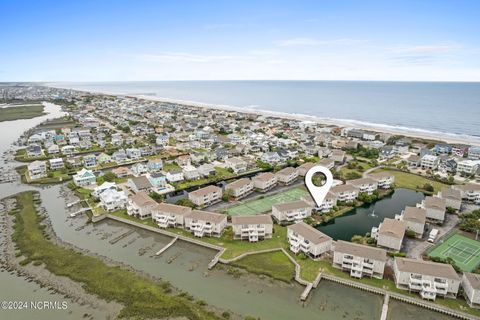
[140,205]
[206,196]
[415,219]
[345,192]
[470,192]
[327,163]
[264,181]
[303,169]
[305,238]
[287,175]
[471,288]
[291,211]
[204,223]
[327,205]
[364,185]
[252,228]
[390,233]
[429,279]
[359,260]
[385,180]
[168,215]
[240,188]
[452,197]
[435,207]
[430,162]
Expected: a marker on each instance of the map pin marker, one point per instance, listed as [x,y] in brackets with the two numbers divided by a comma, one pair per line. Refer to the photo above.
[318,193]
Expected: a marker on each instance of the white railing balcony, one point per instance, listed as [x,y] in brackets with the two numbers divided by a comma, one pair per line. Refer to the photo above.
[355,273]
[357,267]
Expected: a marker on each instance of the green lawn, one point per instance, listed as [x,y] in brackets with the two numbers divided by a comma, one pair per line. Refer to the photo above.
[412,181]
[21,112]
[262,205]
[464,251]
[273,264]
[141,298]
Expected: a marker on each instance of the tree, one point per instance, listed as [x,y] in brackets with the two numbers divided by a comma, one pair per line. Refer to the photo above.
[227,194]
[428,187]
[109,176]
[186,202]
[470,221]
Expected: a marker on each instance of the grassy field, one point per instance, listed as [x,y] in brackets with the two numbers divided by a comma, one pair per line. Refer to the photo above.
[412,181]
[273,264]
[140,297]
[464,251]
[21,112]
[262,205]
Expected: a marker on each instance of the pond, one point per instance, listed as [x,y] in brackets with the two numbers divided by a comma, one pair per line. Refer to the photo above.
[360,220]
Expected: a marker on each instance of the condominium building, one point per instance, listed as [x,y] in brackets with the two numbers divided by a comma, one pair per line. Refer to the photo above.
[240,188]
[385,180]
[435,207]
[303,169]
[327,205]
[345,192]
[429,279]
[291,211]
[206,196]
[364,185]
[390,233]
[140,205]
[252,228]
[359,260]
[305,238]
[415,219]
[470,192]
[471,288]
[204,223]
[168,215]
[287,175]
[452,197]
[264,181]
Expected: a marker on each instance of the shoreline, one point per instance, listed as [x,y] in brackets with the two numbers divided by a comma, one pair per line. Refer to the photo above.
[378,127]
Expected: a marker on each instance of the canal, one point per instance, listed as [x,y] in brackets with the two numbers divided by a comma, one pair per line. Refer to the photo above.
[360,220]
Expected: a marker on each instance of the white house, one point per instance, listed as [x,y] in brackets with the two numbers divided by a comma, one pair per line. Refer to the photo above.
[359,260]
[84,178]
[174,175]
[430,161]
[56,164]
[170,215]
[468,167]
[429,279]
[112,199]
[291,211]
[37,170]
[190,173]
[206,196]
[435,207]
[264,181]
[390,234]
[140,205]
[240,188]
[364,185]
[252,228]
[471,288]
[204,223]
[305,238]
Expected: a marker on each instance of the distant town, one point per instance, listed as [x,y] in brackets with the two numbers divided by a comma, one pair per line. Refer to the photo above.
[234,181]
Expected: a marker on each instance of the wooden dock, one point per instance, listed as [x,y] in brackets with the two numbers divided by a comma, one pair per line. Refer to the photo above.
[167,246]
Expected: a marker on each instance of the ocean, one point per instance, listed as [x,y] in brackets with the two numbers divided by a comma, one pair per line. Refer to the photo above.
[444,108]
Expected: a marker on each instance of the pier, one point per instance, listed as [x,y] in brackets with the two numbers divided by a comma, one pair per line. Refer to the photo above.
[120,237]
[384,314]
[71,204]
[167,246]
[74,214]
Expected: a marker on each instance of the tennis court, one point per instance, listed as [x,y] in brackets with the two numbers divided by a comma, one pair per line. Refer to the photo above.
[464,251]
[263,205]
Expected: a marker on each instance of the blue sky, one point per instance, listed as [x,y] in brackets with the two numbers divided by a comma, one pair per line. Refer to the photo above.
[194,40]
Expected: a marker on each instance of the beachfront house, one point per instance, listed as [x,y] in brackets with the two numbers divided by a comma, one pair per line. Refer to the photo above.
[468,167]
[240,188]
[390,233]
[359,260]
[452,197]
[435,207]
[264,181]
[308,240]
[364,185]
[415,219]
[204,223]
[287,175]
[471,288]
[252,228]
[84,178]
[37,170]
[140,205]
[206,196]
[170,215]
[291,211]
[429,279]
